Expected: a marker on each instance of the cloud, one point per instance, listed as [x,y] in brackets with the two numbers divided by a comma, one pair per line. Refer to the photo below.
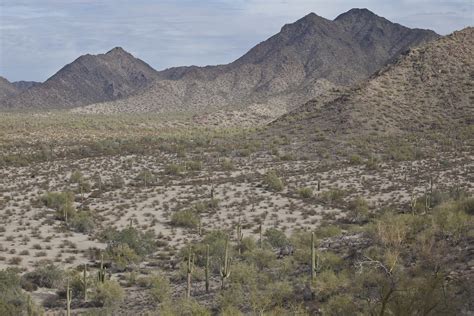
[37,38]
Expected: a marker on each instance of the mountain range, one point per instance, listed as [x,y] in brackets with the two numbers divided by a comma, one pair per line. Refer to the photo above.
[430,88]
[89,79]
[304,60]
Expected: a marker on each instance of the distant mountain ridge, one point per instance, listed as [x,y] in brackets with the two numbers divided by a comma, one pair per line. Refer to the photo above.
[88,79]
[25,85]
[302,61]
[299,63]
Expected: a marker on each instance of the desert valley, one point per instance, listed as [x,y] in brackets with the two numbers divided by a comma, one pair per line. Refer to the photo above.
[327,171]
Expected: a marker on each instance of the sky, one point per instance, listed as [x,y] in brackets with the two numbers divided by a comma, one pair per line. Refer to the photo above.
[38,37]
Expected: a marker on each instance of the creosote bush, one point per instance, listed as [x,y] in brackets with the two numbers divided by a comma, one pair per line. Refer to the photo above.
[272,181]
[276,238]
[185,218]
[13,301]
[82,222]
[159,287]
[46,275]
[62,202]
[128,246]
[305,193]
[359,209]
[108,294]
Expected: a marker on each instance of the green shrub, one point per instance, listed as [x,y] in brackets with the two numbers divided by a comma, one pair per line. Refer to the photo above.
[467,206]
[329,283]
[48,276]
[206,205]
[194,165]
[76,177]
[122,256]
[355,160]
[60,202]
[272,181]
[248,244]
[216,241]
[108,294]
[158,287]
[184,307]
[339,305]
[13,301]
[243,273]
[261,258]
[359,209]
[173,169]
[276,238]
[332,196]
[146,178]
[451,219]
[128,246]
[328,260]
[83,222]
[230,299]
[185,218]
[305,193]
[227,164]
[327,231]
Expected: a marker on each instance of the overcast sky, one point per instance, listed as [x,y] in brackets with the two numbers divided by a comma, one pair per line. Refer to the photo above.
[38,37]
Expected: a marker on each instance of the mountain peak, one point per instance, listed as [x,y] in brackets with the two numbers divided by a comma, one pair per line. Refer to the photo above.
[117,51]
[89,79]
[310,20]
[359,13]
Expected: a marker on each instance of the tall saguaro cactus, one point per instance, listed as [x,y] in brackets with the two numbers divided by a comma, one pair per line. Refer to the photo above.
[68,299]
[189,271]
[207,269]
[225,267]
[313,258]
[84,281]
[101,272]
[240,237]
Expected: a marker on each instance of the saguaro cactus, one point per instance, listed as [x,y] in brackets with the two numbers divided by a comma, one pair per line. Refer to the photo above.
[189,271]
[313,258]
[240,237]
[68,299]
[102,269]
[413,203]
[225,267]
[260,231]
[29,307]
[84,281]
[207,269]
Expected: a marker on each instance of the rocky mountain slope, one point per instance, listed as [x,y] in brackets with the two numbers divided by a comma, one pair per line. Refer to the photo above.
[7,89]
[25,85]
[430,88]
[89,79]
[300,62]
